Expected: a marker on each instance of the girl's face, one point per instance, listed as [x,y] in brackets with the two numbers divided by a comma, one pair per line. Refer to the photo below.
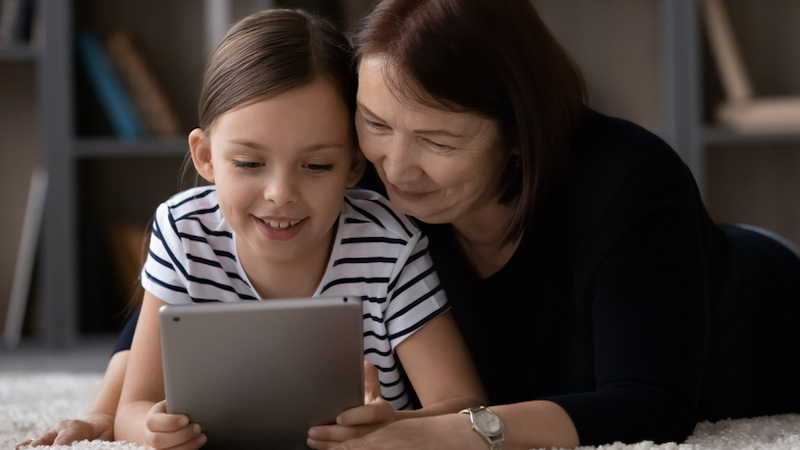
[438,166]
[281,167]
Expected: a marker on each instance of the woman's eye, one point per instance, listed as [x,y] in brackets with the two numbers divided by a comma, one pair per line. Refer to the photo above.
[246,164]
[319,167]
[438,146]
[375,125]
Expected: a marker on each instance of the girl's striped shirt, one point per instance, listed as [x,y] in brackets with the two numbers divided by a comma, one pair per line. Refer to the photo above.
[378,254]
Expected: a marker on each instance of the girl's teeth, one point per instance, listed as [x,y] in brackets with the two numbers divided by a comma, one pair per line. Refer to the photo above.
[275,224]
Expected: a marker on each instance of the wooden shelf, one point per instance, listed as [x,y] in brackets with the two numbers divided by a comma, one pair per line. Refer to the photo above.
[720,136]
[18,53]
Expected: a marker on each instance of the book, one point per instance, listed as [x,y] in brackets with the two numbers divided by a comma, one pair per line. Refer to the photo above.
[148,95]
[109,88]
[26,256]
[16,21]
[742,110]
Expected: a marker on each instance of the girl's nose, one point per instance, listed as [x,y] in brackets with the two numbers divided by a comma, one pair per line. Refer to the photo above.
[280,189]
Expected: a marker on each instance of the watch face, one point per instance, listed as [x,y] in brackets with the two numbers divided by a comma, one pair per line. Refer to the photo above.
[488,423]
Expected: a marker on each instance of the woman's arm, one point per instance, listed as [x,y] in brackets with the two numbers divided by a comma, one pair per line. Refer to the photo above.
[535,424]
[439,367]
[141,416]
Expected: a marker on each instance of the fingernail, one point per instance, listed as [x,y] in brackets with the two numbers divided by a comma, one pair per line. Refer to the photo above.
[196,428]
[311,443]
[202,439]
[184,421]
[313,432]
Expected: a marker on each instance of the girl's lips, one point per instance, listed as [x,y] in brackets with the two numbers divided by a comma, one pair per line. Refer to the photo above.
[279,229]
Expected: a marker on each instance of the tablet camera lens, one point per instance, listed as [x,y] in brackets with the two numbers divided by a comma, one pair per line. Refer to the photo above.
[176,319]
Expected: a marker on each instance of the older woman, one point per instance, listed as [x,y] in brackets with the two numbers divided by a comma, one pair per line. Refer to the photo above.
[598,299]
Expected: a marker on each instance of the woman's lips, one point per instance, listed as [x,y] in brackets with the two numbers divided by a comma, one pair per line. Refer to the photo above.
[409,195]
[279,228]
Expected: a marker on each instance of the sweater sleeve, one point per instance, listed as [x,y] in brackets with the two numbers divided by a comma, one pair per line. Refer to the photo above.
[643,269]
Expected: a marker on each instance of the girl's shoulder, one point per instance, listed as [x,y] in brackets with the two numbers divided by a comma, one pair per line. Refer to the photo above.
[194,208]
[373,210]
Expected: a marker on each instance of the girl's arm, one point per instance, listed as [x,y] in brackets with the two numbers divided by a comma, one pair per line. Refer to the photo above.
[141,416]
[439,367]
[98,421]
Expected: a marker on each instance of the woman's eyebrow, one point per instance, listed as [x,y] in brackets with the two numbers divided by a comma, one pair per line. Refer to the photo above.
[366,110]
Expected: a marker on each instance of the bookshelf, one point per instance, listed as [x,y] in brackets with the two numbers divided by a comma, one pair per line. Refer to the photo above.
[644,60]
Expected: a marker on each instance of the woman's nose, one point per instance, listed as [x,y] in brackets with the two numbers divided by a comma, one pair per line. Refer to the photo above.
[400,164]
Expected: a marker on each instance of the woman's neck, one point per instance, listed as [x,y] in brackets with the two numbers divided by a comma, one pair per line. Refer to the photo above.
[480,236]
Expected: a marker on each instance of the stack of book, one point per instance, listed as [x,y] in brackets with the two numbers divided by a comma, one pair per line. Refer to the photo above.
[126,86]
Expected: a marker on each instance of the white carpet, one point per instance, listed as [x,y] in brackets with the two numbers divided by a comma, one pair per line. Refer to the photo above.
[29,403]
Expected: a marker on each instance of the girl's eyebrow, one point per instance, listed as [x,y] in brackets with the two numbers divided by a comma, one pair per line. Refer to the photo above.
[310,148]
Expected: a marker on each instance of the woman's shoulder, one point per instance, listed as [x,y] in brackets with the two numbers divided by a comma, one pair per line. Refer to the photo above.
[618,141]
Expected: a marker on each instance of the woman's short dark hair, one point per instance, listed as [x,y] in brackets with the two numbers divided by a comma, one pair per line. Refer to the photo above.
[495,58]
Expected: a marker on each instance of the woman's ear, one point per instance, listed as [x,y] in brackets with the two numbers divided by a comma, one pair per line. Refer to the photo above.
[357,167]
[201,154]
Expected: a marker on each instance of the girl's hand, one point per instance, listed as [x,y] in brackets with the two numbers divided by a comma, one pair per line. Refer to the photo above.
[94,426]
[171,431]
[359,421]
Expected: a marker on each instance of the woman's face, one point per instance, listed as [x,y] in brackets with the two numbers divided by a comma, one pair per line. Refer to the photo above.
[438,166]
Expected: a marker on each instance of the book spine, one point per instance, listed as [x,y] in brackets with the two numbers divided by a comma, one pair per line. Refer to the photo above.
[109,88]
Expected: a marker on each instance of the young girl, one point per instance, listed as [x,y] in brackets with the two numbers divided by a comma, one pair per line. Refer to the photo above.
[276,139]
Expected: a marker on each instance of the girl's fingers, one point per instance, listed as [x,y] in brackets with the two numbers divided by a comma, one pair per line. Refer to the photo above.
[186,435]
[194,444]
[159,421]
[372,385]
[76,430]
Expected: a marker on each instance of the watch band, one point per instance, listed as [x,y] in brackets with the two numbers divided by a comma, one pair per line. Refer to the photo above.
[493,437]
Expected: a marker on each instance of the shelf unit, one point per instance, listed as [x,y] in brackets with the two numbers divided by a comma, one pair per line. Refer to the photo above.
[670,98]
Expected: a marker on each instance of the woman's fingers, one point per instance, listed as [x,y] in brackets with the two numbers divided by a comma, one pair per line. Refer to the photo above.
[373,413]
[333,433]
[189,434]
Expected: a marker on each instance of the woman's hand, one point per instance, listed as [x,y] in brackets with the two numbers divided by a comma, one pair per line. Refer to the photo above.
[446,432]
[171,431]
[359,421]
[94,426]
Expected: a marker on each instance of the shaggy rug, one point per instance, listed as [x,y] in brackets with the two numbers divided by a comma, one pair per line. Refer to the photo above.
[30,402]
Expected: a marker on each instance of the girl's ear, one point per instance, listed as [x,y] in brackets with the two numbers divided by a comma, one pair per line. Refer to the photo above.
[357,166]
[201,154]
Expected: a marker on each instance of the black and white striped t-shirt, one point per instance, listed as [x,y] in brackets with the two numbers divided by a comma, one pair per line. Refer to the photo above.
[378,254]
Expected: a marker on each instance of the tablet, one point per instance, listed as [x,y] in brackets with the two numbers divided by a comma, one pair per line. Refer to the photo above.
[260,374]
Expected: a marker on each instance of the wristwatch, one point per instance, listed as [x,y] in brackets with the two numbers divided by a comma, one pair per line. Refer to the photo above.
[487,424]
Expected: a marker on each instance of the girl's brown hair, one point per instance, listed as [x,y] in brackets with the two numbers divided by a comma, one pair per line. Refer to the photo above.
[271,52]
[492,57]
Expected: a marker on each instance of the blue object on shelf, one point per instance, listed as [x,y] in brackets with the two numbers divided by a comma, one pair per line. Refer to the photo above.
[109,88]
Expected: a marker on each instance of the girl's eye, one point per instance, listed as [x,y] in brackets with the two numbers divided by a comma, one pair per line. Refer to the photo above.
[319,167]
[246,164]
